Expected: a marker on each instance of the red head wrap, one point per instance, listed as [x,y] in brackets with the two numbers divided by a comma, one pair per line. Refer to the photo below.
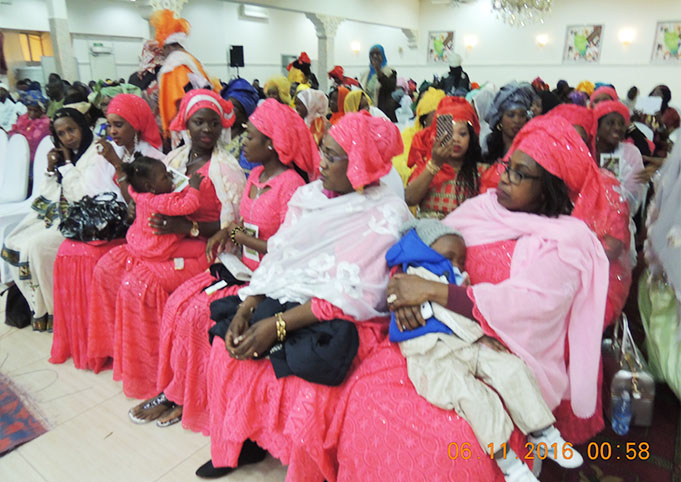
[605,89]
[608,107]
[137,113]
[336,73]
[370,143]
[202,99]
[290,136]
[575,115]
[556,146]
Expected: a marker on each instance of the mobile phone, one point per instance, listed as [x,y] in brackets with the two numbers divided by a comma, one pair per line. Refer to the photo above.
[444,128]
[426,310]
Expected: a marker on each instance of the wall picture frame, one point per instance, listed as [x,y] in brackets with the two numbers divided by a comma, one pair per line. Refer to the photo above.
[583,44]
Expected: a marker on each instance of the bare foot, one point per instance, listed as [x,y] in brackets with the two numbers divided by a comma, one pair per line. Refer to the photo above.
[150,409]
[171,417]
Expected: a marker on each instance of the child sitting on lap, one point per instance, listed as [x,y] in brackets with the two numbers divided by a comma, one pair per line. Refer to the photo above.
[454,365]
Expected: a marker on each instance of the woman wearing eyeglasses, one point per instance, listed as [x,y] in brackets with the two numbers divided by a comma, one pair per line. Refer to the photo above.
[446,172]
[539,279]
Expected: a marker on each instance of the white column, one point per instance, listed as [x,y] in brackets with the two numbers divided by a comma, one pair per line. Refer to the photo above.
[61,40]
[326,27]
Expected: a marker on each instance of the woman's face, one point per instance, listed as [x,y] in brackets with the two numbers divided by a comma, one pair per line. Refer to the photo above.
[334,166]
[240,116]
[428,119]
[333,101]
[205,128]
[364,103]
[104,104]
[68,132]
[611,129]
[35,112]
[512,121]
[257,145]
[462,139]
[376,56]
[300,108]
[536,107]
[120,130]
[525,193]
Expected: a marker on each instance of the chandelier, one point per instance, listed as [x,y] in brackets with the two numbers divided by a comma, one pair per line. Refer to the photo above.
[521,12]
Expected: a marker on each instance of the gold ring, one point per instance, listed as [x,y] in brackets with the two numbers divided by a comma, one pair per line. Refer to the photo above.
[392,298]
[255,354]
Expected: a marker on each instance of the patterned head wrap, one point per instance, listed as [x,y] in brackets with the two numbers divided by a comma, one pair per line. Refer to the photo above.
[195,100]
[315,102]
[370,143]
[512,96]
[33,98]
[103,90]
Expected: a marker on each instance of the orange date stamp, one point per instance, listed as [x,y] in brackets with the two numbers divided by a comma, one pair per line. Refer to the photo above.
[595,450]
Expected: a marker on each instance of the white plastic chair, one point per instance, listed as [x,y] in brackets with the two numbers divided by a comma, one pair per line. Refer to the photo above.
[14,170]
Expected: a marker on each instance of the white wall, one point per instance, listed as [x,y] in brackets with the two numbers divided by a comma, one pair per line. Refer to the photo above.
[502,53]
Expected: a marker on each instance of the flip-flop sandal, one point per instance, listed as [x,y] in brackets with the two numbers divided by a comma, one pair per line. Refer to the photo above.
[160,399]
[169,422]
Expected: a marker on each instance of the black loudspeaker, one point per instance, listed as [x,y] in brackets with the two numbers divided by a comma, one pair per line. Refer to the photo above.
[236,56]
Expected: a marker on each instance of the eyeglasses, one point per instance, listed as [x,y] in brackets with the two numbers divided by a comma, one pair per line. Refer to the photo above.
[514,176]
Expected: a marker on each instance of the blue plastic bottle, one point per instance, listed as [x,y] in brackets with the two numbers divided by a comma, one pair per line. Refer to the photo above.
[621,413]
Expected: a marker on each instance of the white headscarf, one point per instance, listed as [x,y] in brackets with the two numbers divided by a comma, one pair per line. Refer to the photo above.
[315,102]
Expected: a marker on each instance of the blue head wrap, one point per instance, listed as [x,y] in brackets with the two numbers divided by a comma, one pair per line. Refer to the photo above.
[33,98]
[372,72]
[243,92]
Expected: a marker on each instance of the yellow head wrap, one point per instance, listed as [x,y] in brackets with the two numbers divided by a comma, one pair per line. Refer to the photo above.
[283,86]
[586,86]
[353,99]
[428,103]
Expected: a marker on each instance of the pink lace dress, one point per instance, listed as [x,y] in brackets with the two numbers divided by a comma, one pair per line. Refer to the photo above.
[184,347]
[127,297]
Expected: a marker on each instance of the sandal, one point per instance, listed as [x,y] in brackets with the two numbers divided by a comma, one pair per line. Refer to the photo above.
[170,421]
[160,399]
[50,323]
[39,324]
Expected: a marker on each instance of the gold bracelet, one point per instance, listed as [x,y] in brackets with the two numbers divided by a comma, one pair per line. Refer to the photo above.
[432,168]
[281,327]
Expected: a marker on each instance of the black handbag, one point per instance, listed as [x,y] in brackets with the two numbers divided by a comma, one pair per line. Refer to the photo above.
[96,218]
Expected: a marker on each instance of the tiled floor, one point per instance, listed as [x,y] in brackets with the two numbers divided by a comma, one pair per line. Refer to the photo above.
[91,438]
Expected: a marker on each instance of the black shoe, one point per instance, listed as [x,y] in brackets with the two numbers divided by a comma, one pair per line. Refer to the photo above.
[250,454]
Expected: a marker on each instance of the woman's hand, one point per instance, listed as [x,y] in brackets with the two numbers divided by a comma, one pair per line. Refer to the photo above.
[442,151]
[411,290]
[257,340]
[195,180]
[237,328]
[409,318]
[53,158]
[216,243]
[162,224]
[106,150]
[131,210]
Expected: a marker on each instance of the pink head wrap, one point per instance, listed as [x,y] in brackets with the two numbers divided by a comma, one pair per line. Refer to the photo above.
[611,92]
[370,143]
[575,115]
[556,146]
[604,108]
[290,136]
[202,99]
[137,113]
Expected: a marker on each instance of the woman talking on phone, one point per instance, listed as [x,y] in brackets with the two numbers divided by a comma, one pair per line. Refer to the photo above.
[447,160]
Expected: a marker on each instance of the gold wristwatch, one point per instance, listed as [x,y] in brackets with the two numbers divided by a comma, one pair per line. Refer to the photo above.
[194,232]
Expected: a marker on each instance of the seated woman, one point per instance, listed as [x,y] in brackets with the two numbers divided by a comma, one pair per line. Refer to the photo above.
[425,113]
[340,274]
[134,132]
[358,100]
[508,114]
[279,89]
[311,106]
[128,292]
[244,98]
[446,171]
[34,125]
[30,249]
[101,97]
[539,279]
[337,103]
[613,230]
[278,143]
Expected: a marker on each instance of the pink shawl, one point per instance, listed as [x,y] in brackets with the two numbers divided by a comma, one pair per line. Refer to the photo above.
[557,289]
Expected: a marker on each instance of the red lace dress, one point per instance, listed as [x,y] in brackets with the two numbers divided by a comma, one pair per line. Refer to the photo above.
[184,347]
[127,299]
